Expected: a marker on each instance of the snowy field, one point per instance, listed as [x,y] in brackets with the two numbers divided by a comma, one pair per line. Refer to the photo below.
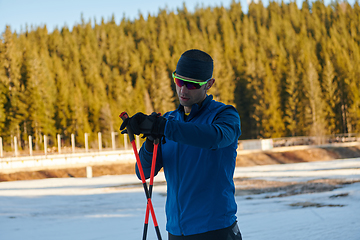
[113,207]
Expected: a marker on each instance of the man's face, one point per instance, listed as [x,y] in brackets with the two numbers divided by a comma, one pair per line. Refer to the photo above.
[190,97]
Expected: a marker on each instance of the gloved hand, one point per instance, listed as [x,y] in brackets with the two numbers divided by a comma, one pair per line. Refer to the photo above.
[150,125]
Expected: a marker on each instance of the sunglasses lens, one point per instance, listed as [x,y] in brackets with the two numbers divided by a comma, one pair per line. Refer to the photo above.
[192,86]
[179,82]
[189,85]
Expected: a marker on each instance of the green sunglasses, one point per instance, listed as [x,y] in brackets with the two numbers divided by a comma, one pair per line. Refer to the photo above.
[190,84]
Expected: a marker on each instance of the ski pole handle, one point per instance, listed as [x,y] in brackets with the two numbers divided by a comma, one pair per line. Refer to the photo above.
[124,116]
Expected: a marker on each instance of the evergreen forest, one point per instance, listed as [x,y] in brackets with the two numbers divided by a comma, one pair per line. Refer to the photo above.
[289,70]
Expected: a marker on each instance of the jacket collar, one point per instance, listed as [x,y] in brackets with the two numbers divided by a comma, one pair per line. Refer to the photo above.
[195,109]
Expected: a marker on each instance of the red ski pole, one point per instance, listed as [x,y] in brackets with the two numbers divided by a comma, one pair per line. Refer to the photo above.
[123,116]
[152,173]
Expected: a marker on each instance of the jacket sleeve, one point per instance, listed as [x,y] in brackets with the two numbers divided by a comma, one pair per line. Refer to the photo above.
[223,131]
[146,160]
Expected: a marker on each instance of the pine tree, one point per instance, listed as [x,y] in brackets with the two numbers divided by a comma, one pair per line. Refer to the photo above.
[62,103]
[272,125]
[316,104]
[256,75]
[13,85]
[224,87]
[161,94]
[342,66]
[40,87]
[330,98]
[78,122]
[3,81]
[291,99]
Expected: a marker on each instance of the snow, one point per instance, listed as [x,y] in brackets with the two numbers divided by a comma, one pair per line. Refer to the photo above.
[113,207]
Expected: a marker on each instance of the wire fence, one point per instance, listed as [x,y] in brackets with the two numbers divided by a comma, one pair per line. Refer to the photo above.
[57,146]
[316,140]
[266,144]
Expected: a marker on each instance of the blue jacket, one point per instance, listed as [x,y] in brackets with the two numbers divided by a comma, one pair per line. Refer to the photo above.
[198,158]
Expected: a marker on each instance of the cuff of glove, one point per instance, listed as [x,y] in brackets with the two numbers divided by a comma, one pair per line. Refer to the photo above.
[149,145]
[159,127]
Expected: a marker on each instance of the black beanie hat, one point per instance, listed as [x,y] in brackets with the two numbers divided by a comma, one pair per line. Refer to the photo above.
[195,65]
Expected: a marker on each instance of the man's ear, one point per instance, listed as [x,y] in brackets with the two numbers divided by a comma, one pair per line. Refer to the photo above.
[209,84]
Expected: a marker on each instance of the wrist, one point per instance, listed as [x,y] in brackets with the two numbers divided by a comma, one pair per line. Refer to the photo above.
[149,145]
[160,123]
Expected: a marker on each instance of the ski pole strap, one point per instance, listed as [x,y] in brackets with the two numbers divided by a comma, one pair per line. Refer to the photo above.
[124,116]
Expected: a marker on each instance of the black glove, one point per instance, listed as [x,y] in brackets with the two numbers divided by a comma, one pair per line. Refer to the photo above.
[149,143]
[150,125]
[133,123]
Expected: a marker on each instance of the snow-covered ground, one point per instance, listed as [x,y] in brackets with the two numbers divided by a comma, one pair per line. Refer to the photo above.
[113,207]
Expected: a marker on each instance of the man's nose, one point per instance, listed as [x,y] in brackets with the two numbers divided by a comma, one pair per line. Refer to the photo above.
[183,89]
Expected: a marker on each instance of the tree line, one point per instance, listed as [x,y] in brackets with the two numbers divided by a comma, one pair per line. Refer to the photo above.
[289,70]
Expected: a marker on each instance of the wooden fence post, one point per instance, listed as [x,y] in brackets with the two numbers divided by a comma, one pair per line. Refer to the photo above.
[1,148]
[16,146]
[113,142]
[125,141]
[73,142]
[30,146]
[59,143]
[45,144]
[86,142]
[100,141]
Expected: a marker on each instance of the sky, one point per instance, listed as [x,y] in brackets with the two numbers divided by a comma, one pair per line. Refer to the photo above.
[57,13]
[18,13]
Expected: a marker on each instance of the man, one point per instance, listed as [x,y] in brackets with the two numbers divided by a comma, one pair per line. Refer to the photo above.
[197,153]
